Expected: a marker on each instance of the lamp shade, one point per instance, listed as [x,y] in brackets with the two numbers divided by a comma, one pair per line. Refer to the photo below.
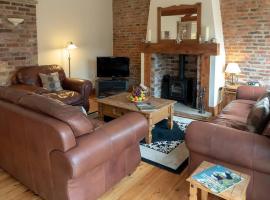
[233,68]
[71,46]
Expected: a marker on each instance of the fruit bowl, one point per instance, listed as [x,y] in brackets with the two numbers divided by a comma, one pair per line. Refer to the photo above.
[134,100]
[139,94]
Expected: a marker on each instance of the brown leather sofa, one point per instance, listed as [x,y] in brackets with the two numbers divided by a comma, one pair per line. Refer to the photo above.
[223,142]
[57,152]
[76,92]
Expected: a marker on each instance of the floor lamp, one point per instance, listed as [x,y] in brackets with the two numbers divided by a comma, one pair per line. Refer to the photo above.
[70,47]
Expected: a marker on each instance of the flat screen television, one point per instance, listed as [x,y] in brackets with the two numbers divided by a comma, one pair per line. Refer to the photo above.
[112,67]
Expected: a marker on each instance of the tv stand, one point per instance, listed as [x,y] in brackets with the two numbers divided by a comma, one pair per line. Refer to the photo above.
[110,86]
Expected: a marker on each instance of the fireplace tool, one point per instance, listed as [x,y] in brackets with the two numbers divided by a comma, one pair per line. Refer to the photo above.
[201,100]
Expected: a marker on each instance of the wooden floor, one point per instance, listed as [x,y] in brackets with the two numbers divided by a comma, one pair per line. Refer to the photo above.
[147,183]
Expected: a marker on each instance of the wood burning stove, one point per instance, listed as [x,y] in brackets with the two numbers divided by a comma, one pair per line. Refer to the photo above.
[179,87]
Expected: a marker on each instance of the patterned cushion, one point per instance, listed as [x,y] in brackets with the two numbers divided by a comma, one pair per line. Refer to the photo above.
[51,82]
[259,115]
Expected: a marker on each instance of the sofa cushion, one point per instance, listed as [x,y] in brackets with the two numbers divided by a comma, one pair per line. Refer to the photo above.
[77,121]
[66,96]
[30,88]
[259,115]
[30,75]
[239,108]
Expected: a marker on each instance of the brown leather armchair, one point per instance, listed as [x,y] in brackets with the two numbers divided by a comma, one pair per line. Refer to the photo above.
[76,92]
[60,154]
[225,141]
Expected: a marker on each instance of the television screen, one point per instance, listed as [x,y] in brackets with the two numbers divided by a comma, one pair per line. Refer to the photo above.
[112,67]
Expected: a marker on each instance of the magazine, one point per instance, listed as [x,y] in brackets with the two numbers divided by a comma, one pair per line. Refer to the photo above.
[145,106]
[217,178]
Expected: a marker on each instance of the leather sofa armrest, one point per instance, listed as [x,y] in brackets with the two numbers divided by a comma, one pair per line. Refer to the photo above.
[250,93]
[84,87]
[229,145]
[100,146]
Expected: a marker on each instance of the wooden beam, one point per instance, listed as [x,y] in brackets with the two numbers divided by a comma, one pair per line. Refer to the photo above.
[211,49]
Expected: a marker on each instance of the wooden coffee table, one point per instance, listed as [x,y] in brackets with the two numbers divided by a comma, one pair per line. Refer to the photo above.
[118,105]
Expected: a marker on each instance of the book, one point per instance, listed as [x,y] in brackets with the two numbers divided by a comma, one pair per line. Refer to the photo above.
[145,106]
[217,178]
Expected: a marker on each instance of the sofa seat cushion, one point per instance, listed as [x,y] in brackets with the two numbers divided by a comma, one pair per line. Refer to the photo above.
[231,121]
[239,108]
[30,88]
[66,96]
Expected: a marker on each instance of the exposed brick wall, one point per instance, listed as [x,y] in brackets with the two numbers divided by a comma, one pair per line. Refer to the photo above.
[129,29]
[246,27]
[18,45]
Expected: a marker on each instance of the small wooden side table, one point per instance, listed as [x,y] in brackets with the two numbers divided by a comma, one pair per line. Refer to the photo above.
[238,192]
[229,94]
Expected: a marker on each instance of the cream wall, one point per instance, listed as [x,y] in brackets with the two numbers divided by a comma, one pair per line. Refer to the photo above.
[88,23]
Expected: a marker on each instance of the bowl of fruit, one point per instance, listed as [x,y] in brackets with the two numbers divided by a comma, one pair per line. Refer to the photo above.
[139,94]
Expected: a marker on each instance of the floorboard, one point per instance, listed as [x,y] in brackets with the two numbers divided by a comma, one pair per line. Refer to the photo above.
[146,183]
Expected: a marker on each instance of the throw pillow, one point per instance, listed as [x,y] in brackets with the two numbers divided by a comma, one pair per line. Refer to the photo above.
[51,82]
[259,115]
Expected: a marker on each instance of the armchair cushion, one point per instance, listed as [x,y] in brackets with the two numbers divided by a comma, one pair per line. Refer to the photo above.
[66,96]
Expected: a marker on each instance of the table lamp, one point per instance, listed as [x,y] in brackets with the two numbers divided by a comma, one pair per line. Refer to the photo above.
[233,69]
[70,47]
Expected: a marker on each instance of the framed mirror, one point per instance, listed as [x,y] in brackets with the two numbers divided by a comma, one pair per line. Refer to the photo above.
[179,23]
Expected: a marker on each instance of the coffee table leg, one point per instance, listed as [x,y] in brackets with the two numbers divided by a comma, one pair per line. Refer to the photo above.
[148,138]
[170,119]
[100,112]
[204,195]
[193,192]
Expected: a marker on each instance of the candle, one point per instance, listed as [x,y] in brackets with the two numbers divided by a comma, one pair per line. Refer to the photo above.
[207,33]
[149,39]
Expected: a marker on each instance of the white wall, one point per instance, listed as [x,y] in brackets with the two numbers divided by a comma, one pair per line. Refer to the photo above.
[88,23]
[211,17]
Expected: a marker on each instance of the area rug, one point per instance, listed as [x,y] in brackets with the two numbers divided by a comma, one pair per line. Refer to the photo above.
[168,150]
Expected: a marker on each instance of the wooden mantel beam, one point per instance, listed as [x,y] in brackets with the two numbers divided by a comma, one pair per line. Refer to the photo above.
[210,49]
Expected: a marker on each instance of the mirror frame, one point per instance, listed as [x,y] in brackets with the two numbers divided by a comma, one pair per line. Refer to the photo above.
[187,11]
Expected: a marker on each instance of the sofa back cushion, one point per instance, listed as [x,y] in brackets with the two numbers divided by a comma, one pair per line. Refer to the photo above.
[259,115]
[30,75]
